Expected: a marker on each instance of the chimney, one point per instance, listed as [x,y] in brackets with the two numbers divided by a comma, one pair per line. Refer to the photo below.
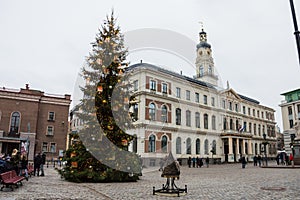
[27,86]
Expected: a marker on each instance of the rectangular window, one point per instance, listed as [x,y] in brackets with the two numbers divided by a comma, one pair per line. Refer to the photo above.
[213,101]
[53,147]
[253,111]
[291,123]
[153,85]
[249,111]
[164,88]
[205,99]
[135,85]
[188,95]
[45,147]
[262,114]
[230,105]
[197,97]
[51,116]
[178,92]
[244,110]
[258,113]
[50,130]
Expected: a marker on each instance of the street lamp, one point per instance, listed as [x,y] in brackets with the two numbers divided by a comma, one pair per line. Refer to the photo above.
[265,143]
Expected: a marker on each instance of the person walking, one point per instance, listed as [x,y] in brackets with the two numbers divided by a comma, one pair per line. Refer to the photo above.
[194,161]
[207,162]
[42,164]
[23,166]
[189,162]
[37,161]
[255,160]
[244,162]
[259,160]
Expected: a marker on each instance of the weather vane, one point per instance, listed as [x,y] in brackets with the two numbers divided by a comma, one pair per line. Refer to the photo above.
[201,24]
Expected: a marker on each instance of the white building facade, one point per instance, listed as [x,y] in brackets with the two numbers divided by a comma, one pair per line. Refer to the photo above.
[194,117]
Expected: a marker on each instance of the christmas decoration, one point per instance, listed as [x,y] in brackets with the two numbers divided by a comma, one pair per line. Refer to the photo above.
[105,112]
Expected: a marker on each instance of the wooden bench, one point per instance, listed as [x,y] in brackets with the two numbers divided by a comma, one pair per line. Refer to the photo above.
[10,178]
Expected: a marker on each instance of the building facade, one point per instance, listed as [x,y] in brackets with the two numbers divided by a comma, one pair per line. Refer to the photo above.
[290,109]
[194,117]
[34,117]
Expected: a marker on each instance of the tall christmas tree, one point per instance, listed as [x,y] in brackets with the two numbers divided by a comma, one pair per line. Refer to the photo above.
[99,153]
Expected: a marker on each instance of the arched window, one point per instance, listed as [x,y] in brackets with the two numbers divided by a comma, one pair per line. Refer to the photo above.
[152,110]
[188,146]
[151,143]
[164,113]
[14,123]
[198,146]
[205,121]
[214,147]
[188,118]
[178,145]
[210,71]
[213,122]
[197,120]
[178,116]
[164,144]
[206,147]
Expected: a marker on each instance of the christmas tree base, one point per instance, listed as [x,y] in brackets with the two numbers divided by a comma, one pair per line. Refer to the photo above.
[170,188]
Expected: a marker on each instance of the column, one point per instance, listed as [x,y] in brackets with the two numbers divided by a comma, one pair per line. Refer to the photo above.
[243,147]
[237,148]
[230,145]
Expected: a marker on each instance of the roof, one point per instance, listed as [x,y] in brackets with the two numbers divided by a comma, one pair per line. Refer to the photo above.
[289,92]
[156,68]
[192,80]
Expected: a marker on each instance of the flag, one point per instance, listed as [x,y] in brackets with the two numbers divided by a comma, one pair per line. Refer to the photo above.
[242,128]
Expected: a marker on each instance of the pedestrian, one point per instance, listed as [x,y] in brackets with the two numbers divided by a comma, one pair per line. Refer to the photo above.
[244,162]
[207,162]
[23,166]
[194,161]
[259,160]
[15,160]
[255,160]
[292,159]
[189,162]
[43,163]
[197,161]
[37,161]
[277,159]
[201,162]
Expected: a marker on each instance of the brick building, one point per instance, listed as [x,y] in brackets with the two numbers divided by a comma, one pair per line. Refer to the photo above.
[32,116]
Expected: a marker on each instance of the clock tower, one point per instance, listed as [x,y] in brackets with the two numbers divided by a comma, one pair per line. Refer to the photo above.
[205,69]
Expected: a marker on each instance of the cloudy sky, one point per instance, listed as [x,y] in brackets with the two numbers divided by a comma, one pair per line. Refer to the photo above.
[44,43]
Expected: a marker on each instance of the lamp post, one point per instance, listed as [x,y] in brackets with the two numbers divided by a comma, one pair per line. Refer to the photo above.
[265,143]
[297,33]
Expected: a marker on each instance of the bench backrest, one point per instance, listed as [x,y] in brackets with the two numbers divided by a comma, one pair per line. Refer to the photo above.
[6,175]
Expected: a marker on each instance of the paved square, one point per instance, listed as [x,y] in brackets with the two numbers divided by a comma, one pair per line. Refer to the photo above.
[227,181]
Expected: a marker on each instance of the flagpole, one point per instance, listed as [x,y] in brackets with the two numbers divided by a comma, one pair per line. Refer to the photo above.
[297,33]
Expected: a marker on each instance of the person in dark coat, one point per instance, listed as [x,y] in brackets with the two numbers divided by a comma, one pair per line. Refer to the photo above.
[255,160]
[189,162]
[244,162]
[23,166]
[43,163]
[37,161]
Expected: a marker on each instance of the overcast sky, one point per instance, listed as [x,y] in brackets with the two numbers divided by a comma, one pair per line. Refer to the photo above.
[44,43]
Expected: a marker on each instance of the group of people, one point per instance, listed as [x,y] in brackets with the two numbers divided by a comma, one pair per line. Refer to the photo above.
[18,161]
[198,162]
[282,158]
[38,164]
[257,159]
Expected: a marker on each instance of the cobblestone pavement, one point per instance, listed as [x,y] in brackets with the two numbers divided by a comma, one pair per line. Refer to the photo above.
[227,181]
